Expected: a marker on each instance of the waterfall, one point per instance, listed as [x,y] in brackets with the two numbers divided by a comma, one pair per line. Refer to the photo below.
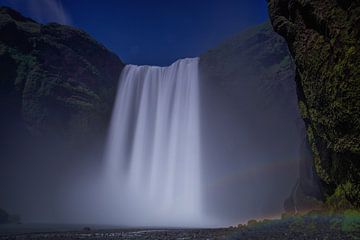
[153,152]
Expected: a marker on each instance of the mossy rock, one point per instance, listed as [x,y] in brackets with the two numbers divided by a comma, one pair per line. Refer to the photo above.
[324,38]
[351,222]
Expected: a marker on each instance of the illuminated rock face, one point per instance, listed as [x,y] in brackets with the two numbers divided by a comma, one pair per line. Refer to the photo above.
[153,152]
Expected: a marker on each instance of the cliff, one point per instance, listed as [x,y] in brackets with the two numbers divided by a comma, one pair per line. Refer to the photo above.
[248,87]
[55,80]
[323,38]
[57,88]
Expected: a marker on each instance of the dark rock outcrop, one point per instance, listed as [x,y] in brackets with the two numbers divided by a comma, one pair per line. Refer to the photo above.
[55,80]
[4,216]
[324,38]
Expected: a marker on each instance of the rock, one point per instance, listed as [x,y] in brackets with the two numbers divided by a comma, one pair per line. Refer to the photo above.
[57,88]
[4,216]
[324,38]
[55,80]
[256,72]
[15,219]
[251,75]
[307,194]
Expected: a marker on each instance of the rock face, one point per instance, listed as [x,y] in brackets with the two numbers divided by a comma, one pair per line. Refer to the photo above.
[307,194]
[248,83]
[57,88]
[55,80]
[324,38]
[257,59]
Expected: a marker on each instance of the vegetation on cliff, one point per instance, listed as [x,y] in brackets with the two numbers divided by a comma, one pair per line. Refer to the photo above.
[324,39]
[313,225]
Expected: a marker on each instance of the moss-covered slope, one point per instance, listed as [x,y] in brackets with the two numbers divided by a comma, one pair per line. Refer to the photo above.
[324,38]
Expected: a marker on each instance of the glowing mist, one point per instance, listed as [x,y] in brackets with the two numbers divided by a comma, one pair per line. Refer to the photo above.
[153,155]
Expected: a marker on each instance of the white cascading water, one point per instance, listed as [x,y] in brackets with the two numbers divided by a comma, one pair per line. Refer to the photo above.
[153,155]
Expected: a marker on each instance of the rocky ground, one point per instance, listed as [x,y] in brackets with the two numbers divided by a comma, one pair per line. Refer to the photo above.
[128,234]
[296,228]
[208,234]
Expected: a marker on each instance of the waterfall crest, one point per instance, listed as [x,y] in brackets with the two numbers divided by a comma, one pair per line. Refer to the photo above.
[153,155]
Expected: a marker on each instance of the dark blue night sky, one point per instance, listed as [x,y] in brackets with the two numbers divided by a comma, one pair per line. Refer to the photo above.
[150,32]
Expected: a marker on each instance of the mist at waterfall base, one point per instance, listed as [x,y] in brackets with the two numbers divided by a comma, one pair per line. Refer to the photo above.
[181,152]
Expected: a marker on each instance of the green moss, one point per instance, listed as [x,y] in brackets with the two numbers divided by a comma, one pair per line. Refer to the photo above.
[351,222]
[252,222]
[303,110]
[338,200]
[320,169]
[326,51]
